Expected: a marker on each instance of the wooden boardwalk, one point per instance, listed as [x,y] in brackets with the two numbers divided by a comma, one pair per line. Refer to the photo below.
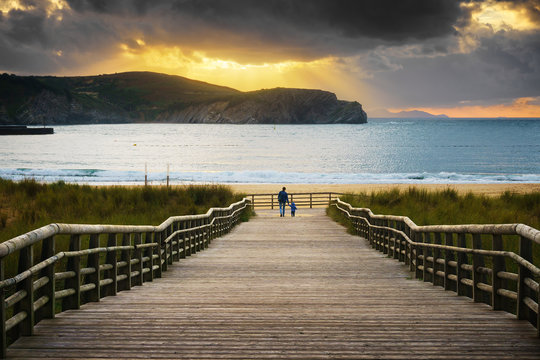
[283,288]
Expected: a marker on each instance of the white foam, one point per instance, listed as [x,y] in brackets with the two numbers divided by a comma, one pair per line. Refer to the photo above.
[96,176]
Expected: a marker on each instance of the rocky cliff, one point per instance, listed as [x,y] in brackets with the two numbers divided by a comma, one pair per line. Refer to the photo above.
[150,97]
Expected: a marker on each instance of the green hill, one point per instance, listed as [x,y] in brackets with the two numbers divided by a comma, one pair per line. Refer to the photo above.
[152,97]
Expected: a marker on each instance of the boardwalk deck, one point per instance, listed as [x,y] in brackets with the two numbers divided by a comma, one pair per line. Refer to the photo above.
[283,288]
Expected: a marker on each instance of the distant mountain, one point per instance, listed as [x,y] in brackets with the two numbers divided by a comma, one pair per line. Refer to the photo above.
[151,97]
[417,114]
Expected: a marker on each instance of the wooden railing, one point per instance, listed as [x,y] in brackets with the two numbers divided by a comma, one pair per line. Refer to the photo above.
[468,259]
[310,200]
[101,260]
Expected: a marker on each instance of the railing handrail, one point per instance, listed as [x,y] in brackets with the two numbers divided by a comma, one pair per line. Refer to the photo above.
[459,268]
[459,229]
[297,193]
[499,229]
[9,246]
[142,254]
[302,199]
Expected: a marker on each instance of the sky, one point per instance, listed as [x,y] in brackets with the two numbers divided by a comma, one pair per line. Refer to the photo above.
[461,58]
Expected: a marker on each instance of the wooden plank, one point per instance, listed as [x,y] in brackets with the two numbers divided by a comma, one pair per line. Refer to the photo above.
[283,288]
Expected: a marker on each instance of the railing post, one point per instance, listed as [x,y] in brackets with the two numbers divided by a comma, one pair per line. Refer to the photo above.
[3,341]
[253,201]
[437,281]
[205,231]
[413,252]
[184,252]
[26,260]
[477,277]
[311,200]
[462,259]
[198,235]
[93,262]
[271,202]
[426,239]
[73,264]
[156,250]
[168,245]
[525,251]
[496,281]
[176,239]
[149,252]
[138,254]
[162,250]
[126,258]
[48,290]
[112,259]
[448,256]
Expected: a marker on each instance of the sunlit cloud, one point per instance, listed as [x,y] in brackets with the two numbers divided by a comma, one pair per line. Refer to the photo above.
[503,15]
[50,6]
[243,76]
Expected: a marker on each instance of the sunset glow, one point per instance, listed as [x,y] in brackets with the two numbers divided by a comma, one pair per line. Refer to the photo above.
[438,58]
[521,108]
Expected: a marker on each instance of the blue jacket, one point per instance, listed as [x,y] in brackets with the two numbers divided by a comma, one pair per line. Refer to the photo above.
[283,197]
[293,207]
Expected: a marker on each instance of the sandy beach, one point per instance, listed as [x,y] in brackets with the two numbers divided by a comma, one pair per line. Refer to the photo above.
[485,189]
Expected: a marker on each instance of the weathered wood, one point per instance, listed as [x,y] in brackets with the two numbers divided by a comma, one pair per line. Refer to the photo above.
[496,282]
[48,290]
[95,276]
[125,256]
[73,264]
[522,311]
[283,288]
[3,335]
[26,305]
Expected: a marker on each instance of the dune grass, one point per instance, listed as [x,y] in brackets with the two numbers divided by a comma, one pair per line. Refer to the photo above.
[448,207]
[27,205]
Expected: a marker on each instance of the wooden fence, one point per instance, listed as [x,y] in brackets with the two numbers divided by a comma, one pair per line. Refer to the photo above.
[472,260]
[316,199]
[101,260]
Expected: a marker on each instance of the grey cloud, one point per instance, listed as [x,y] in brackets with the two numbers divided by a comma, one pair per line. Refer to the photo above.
[26,27]
[504,67]
[379,19]
[403,47]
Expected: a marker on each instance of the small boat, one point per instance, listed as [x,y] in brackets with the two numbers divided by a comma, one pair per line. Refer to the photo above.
[24,130]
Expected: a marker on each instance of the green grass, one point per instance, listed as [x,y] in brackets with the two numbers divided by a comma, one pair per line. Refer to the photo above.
[448,207]
[27,205]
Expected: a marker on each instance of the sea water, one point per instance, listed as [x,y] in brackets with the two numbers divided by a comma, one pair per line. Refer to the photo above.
[381,151]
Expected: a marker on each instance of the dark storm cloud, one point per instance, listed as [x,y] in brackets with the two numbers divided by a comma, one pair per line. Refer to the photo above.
[399,45]
[504,67]
[26,27]
[387,20]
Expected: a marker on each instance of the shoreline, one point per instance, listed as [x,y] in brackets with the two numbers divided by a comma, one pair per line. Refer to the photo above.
[477,189]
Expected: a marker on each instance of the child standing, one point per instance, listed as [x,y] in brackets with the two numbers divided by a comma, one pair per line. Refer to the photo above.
[293,209]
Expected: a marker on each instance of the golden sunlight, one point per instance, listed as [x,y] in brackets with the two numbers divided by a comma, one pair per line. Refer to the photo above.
[246,77]
[51,6]
[503,16]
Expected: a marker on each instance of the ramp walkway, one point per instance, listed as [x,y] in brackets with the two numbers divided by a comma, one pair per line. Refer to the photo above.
[291,288]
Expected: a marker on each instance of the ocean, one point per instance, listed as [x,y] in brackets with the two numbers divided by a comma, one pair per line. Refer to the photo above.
[381,151]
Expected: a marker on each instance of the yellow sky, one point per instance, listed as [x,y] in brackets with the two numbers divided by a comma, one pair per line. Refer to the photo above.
[522,107]
[135,53]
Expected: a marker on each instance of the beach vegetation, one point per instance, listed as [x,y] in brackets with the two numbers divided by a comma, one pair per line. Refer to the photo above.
[27,205]
[448,207]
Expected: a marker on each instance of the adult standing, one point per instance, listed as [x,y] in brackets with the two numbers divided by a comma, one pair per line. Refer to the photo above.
[283,198]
